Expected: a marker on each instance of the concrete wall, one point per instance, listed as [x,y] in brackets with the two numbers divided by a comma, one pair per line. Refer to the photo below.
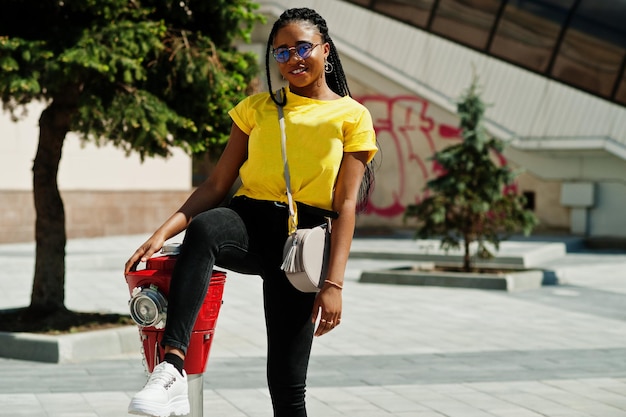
[605,172]
[410,129]
[105,192]
[91,213]
[552,215]
[607,217]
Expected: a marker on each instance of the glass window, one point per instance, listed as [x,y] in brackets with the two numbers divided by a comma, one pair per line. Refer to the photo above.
[528,31]
[466,21]
[594,47]
[620,95]
[414,12]
[364,3]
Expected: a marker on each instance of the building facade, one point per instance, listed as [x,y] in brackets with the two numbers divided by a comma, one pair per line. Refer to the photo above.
[552,72]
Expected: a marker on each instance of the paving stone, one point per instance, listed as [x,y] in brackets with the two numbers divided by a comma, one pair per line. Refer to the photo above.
[557,351]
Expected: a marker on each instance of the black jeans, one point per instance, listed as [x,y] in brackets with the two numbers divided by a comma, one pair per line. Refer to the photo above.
[248,237]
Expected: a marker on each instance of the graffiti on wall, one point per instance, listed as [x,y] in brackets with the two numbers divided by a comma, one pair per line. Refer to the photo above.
[407,137]
[409,132]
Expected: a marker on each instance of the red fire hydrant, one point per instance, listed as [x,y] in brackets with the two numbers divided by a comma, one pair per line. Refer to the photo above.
[149,289]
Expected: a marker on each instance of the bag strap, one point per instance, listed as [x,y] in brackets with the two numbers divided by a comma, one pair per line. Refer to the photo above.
[292,224]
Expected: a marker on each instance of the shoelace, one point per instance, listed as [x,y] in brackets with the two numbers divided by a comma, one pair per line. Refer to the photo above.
[161,377]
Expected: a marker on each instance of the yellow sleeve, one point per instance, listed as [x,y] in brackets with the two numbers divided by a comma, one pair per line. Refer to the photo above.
[360,136]
[241,116]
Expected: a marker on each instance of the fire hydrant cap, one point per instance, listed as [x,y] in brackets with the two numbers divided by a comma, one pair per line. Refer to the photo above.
[171,249]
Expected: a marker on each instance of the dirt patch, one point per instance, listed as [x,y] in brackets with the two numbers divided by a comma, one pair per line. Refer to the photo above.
[60,322]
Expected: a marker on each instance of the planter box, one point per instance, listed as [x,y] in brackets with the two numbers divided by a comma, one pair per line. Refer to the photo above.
[511,255]
[508,281]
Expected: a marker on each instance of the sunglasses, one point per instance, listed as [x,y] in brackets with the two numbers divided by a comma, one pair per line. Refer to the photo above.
[303,50]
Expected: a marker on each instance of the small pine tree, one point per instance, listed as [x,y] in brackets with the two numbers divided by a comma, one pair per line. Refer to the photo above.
[473,200]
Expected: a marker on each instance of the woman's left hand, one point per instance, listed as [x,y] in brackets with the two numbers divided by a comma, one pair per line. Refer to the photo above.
[327,307]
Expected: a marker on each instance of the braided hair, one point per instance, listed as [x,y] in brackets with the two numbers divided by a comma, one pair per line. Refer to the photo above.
[336,80]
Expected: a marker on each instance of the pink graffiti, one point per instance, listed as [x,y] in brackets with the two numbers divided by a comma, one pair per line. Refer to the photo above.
[407,136]
[402,125]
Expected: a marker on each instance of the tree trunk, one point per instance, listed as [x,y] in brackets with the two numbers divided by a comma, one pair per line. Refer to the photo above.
[48,295]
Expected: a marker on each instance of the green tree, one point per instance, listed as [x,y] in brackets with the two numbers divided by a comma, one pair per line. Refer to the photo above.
[474,199]
[147,75]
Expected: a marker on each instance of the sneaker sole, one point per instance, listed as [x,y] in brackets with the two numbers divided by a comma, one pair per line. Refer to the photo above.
[176,406]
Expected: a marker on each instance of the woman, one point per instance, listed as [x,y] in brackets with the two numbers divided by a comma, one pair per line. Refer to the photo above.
[330,141]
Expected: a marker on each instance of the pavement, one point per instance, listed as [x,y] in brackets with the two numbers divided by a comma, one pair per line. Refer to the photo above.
[402,351]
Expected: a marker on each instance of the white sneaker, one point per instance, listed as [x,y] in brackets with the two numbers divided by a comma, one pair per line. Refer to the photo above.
[164,394]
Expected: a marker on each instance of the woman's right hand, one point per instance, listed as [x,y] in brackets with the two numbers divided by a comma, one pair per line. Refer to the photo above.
[208,195]
[144,252]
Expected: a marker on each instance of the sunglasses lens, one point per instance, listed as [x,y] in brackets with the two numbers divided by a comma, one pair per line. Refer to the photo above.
[304,50]
[281,55]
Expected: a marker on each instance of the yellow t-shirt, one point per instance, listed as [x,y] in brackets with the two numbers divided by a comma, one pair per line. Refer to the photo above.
[318,133]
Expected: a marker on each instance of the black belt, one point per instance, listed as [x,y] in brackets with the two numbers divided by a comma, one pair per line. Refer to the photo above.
[316,211]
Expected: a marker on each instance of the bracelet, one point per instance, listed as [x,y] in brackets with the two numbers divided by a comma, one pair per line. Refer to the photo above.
[334,284]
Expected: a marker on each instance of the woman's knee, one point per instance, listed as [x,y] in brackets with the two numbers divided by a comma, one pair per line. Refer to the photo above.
[215,226]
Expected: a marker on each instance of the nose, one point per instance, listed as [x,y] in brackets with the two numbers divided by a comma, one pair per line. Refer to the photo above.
[293,53]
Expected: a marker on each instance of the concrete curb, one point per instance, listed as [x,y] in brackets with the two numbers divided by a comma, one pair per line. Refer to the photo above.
[514,255]
[66,348]
[512,281]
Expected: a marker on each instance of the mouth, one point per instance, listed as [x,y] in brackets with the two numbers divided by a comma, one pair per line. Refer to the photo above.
[298,71]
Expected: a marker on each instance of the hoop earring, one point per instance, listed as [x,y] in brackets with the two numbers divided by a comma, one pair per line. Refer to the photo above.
[328,67]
